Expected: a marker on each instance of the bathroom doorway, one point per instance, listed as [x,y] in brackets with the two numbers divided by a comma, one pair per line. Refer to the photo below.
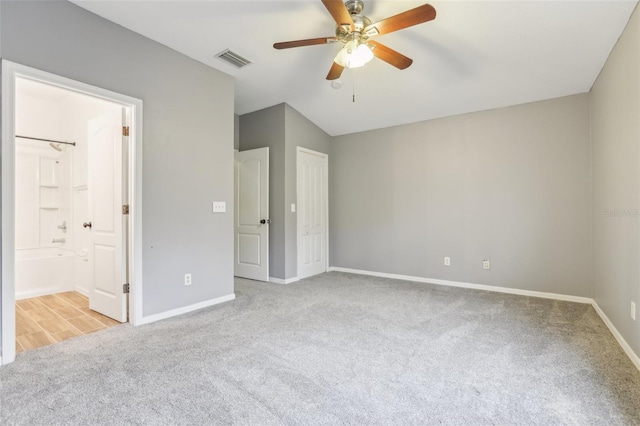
[72,242]
[70,261]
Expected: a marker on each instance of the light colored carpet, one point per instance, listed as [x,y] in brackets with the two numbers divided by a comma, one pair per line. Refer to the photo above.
[337,349]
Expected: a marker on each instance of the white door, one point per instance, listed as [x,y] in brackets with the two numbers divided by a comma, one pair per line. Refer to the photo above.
[312,212]
[106,221]
[252,214]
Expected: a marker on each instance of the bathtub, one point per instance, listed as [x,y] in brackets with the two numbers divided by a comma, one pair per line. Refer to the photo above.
[43,271]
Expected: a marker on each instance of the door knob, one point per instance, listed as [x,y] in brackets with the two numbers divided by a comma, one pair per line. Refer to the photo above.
[87,224]
[263,221]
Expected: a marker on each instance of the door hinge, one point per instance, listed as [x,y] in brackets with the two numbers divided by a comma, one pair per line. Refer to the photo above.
[125,130]
[125,209]
[125,288]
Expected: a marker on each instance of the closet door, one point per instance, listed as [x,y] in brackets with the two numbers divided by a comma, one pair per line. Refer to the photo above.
[252,214]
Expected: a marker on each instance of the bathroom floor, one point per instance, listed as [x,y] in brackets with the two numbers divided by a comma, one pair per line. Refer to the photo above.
[44,320]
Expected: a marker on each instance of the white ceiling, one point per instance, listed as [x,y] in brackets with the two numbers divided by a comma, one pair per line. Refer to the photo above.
[40,90]
[475,55]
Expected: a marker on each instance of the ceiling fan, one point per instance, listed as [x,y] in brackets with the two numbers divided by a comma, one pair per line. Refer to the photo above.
[355,31]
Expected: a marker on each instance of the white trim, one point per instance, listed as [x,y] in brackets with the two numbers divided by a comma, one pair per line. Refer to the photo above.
[10,71]
[7,327]
[326,203]
[281,281]
[175,312]
[82,291]
[623,343]
[544,295]
[564,297]
[38,293]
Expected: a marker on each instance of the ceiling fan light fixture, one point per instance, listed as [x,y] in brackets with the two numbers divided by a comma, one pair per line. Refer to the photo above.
[353,55]
[355,29]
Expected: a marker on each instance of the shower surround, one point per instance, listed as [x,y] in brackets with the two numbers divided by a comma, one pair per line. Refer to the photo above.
[44,254]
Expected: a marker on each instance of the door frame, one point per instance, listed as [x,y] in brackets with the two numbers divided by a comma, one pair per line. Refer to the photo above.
[325,195]
[11,71]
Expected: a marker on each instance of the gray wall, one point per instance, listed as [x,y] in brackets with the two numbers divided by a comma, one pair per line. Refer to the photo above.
[282,129]
[615,121]
[299,131]
[265,128]
[508,185]
[188,139]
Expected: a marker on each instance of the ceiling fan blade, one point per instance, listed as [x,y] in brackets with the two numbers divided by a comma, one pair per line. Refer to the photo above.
[412,17]
[338,10]
[335,72]
[389,55]
[307,42]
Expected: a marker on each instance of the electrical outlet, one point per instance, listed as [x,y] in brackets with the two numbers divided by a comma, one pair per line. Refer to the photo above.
[187,279]
[633,311]
[447,261]
[219,206]
[486,264]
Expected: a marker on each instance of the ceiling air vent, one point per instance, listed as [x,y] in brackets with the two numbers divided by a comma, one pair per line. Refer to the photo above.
[233,58]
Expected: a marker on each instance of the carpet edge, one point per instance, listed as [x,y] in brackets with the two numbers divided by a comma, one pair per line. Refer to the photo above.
[531,293]
[635,359]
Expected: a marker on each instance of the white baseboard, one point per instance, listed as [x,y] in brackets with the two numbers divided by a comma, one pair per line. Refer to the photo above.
[175,312]
[82,291]
[567,298]
[623,343]
[38,293]
[281,281]
[544,295]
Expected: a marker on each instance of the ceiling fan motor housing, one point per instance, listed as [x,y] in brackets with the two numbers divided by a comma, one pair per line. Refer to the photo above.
[354,7]
[360,22]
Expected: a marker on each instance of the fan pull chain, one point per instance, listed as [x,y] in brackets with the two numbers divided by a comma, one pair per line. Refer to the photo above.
[353,81]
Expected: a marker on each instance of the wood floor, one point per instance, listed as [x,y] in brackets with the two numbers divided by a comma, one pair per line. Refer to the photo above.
[44,320]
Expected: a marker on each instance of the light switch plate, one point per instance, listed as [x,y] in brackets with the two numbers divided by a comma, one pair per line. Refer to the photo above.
[293,208]
[219,206]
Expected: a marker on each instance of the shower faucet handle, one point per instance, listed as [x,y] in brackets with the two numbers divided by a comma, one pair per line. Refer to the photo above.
[87,224]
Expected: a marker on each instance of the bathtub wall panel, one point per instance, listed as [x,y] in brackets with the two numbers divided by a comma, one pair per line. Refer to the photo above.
[43,271]
[27,211]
